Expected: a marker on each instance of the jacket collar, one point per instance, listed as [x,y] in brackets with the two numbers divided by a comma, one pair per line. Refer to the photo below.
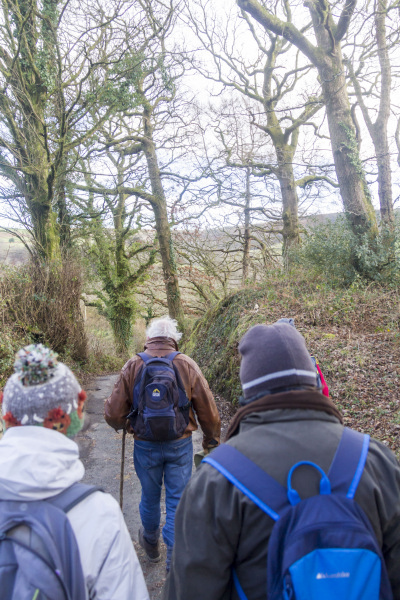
[160,343]
[304,400]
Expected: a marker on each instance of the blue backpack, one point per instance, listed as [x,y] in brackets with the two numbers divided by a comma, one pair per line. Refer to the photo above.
[160,408]
[39,555]
[323,547]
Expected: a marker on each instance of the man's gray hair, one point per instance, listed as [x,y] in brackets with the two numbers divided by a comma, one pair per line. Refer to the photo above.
[164,327]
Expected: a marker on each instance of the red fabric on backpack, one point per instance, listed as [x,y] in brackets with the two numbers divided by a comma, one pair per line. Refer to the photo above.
[325,389]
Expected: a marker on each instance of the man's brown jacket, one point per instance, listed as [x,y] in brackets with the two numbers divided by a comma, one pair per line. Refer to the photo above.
[118,405]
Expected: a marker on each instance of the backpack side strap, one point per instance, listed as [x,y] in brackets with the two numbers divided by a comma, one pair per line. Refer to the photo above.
[348,463]
[250,479]
[72,496]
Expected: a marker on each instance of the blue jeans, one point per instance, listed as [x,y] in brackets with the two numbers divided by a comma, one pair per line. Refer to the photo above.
[152,461]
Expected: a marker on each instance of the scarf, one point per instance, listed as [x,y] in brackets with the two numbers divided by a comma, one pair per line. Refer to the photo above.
[304,399]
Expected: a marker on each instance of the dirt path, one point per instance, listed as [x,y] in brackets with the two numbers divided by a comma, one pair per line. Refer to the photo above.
[100,448]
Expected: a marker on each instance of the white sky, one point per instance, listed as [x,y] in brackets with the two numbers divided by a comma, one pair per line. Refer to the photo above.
[208,93]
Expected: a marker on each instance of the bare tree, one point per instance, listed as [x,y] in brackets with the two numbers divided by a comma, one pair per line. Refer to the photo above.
[150,126]
[245,185]
[375,42]
[119,252]
[326,55]
[258,75]
[63,73]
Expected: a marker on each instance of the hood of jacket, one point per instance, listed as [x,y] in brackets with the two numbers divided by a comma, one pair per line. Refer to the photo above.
[37,463]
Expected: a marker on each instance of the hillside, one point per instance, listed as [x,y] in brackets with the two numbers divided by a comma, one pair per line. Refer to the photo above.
[354,334]
[14,252]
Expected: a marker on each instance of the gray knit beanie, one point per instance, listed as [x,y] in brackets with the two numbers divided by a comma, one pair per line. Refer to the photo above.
[286,320]
[43,392]
[274,357]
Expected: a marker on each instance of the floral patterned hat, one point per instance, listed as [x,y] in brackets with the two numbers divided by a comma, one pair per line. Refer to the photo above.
[43,392]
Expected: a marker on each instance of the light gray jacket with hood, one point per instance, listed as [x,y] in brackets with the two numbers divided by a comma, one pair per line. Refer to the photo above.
[38,463]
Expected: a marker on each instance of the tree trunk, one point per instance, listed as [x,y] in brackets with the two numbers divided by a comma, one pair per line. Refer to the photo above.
[123,309]
[168,264]
[30,88]
[285,147]
[63,217]
[290,231]
[247,231]
[38,180]
[121,323]
[159,206]
[379,133]
[45,230]
[327,57]
[349,170]
[384,177]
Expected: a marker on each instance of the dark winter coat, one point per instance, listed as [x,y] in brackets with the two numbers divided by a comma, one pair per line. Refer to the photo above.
[217,527]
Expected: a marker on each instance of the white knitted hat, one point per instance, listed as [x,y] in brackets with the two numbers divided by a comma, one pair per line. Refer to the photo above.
[43,392]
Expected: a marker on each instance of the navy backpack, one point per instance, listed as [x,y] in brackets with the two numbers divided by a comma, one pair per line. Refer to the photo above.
[160,408]
[39,555]
[323,547]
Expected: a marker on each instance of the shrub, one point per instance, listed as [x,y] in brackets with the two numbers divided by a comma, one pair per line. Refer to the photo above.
[333,251]
[40,301]
[10,342]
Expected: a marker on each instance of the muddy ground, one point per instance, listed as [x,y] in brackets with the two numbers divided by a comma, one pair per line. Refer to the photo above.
[100,448]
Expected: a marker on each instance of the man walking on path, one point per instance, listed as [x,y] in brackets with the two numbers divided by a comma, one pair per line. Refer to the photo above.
[222,535]
[42,411]
[156,455]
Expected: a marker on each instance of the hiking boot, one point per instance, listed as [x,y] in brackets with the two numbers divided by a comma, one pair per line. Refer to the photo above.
[152,550]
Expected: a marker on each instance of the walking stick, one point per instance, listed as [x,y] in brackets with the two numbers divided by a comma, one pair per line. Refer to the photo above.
[121,480]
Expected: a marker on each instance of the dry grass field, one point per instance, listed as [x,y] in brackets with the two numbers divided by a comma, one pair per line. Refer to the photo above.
[12,250]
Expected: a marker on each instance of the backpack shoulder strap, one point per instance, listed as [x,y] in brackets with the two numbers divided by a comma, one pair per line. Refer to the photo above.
[162,359]
[72,496]
[348,463]
[250,479]
[145,357]
[172,355]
